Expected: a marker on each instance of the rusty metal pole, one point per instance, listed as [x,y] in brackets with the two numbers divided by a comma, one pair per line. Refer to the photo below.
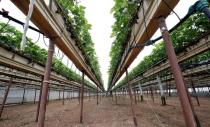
[141,92]
[63,97]
[169,90]
[35,96]
[5,96]
[138,95]
[43,103]
[38,105]
[122,92]
[89,95]
[147,93]
[79,90]
[59,95]
[162,93]
[48,96]
[97,95]
[69,95]
[116,97]
[82,96]
[195,116]
[183,95]
[194,91]
[133,108]
[23,98]
[111,94]
[152,96]
[100,95]
[134,91]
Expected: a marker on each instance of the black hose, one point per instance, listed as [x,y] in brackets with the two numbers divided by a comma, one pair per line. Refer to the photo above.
[5,15]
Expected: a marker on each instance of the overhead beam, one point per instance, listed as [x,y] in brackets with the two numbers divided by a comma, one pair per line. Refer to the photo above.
[152,10]
[52,25]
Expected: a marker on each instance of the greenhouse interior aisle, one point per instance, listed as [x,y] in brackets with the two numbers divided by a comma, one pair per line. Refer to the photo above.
[106,114]
[74,63]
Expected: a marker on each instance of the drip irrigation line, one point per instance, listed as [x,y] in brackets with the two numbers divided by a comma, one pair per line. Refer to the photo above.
[62,56]
[67,63]
[5,15]
[58,55]
[151,42]
[4,26]
[172,10]
[71,65]
[44,41]
[175,27]
[37,39]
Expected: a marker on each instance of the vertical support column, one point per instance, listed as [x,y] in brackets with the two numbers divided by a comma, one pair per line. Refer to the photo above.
[97,95]
[208,86]
[152,96]
[43,103]
[194,91]
[134,91]
[48,96]
[63,97]
[5,96]
[123,94]
[167,87]
[59,95]
[131,100]
[183,95]
[156,91]
[138,95]
[141,92]
[35,96]
[79,90]
[69,96]
[100,95]
[82,95]
[89,95]
[116,97]
[169,90]
[24,90]
[163,99]
[38,105]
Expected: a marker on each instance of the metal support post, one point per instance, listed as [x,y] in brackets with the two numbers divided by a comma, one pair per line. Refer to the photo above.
[5,96]
[82,96]
[43,103]
[133,108]
[183,95]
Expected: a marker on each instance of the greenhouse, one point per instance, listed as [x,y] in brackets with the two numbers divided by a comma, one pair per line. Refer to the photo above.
[104,63]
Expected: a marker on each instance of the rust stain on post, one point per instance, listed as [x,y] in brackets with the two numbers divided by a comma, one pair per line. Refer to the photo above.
[44,95]
[5,96]
[183,95]
[131,100]
[97,95]
[63,97]
[38,105]
[82,96]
